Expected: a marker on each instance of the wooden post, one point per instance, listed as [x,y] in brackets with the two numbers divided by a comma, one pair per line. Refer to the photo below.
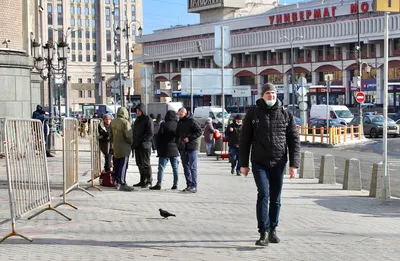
[345,134]
[351,132]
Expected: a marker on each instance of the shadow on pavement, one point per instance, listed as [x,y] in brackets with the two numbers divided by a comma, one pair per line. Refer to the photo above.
[360,205]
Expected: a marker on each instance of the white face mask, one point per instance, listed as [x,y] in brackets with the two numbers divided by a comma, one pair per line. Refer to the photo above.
[270,103]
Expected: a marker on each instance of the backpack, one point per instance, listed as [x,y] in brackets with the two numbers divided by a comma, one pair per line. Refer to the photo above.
[106,179]
[255,119]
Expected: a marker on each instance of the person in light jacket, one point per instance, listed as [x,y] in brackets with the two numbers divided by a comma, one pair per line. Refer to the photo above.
[209,136]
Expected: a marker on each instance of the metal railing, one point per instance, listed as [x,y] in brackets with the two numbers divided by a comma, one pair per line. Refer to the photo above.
[27,173]
[95,152]
[335,135]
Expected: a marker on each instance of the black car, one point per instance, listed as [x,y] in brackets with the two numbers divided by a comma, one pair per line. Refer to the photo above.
[321,122]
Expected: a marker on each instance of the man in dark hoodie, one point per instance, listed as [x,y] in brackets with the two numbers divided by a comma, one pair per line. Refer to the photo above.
[167,149]
[269,131]
[232,133]
[36,113]
[142,143]
[187,135]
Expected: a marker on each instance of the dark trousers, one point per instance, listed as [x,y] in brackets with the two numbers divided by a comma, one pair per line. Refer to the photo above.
[107,160]
[189,163]
[120,168]
[234,157]
[142,157]
[269,187]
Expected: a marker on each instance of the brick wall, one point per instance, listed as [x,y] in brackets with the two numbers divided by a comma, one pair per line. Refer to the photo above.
[11,23]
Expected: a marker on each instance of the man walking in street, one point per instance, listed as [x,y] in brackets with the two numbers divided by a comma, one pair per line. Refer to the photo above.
[121,137]
[187,135]
[269,131]
[142,144]
[233,135]
[105,141]
[167,149]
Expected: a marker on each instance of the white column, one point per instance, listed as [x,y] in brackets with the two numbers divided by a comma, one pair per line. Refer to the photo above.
[379,86]
[287,93]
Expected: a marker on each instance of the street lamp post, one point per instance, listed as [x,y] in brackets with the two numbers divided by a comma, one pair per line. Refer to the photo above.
[49,51]
[291,40]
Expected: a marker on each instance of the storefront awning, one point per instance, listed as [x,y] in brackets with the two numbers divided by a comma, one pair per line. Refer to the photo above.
[161,79]
[270,72]
[176,78]
[326,68]
[244,73]
[297,69]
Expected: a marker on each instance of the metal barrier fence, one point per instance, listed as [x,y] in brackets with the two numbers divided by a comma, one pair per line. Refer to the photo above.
[70,130]
[27,173]
[95,152]
[2,151]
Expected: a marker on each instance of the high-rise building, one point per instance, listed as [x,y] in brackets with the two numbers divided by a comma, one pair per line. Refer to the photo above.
[89,27]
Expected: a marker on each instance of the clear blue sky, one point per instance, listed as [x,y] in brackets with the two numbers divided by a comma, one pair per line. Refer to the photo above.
[159,14]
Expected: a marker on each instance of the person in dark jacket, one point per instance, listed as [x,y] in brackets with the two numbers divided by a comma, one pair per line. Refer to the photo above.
[142,143]
[105,141]
[232,133]
[209,136]
[187,135]
[153,143]
[270,132]
[37,113]
[167,149]
[157,124]
[44,119]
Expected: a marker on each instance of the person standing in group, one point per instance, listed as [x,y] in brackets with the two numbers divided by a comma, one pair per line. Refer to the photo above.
[44,119]
[269,131]
[153,143]
[157,124]
[142,145]
[167,149]
[105,141]
[187,134]
[209,136]
[36,114]
[121,137]
[232,133]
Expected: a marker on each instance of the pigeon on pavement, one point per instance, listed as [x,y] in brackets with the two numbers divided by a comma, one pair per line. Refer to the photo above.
[165,214]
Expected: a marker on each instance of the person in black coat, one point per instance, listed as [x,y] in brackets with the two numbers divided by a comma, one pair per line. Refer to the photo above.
[187,135]
[269,131]
[167,149]
[232,133]
[142,143]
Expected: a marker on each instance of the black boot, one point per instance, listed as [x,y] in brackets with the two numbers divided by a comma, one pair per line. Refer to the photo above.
[142,178]
[262,241]
[48,154]
[272,237]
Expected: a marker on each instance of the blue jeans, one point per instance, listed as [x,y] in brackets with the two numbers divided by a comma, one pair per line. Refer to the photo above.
[269,187]
[234,157]
[210,146]
[162,162]
[189,162]
[120,168]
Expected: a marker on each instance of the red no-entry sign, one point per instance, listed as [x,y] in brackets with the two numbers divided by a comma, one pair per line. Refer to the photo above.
[360,97]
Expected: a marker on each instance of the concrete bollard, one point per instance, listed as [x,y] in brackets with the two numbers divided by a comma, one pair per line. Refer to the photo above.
[307,170]
[352,175]
[218,145]
[203,145]
[327,170]
[377,182]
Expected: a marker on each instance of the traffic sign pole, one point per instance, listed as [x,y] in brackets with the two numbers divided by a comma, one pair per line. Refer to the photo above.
[385,103]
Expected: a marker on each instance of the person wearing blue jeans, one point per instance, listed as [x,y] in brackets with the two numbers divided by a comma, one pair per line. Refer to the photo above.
[269,132]
[189,163]
[167,149]
[188,132]
[232,133]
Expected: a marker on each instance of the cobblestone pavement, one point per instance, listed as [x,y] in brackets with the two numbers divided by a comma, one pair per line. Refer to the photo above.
[318,222]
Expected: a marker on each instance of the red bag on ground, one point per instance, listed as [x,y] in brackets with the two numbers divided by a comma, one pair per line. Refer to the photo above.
[106,179]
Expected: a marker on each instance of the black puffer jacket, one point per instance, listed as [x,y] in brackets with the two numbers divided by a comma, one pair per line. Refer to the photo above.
[188,128]
[270,140]
[234,135]
[166,146]
[142,130]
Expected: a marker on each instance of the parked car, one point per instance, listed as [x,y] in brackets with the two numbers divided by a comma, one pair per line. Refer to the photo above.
[398,124]
[322,122]
[298,120]
[373,125]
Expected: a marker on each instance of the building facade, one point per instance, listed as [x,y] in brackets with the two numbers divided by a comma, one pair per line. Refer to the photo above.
[20,83]
[323,35]
[98,55]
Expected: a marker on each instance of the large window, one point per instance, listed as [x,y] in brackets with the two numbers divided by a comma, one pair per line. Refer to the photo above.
[108,23]
[79,22]
[88,57]
[94,46]
[50,34]
[133,13]
[80,57]
[108,57]
[86,10]
[80,46]
[49,14]
[87,22]
[78,10]
[108,40]
[72,10]
[87,46]
[72,22]
[87,34]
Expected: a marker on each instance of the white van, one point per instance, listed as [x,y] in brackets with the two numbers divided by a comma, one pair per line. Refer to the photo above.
[201,114]
[339,112]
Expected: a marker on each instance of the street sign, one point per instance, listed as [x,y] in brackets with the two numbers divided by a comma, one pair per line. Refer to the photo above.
[360,97]
[386,5]
[217,37]
[218,58]
[241,91]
